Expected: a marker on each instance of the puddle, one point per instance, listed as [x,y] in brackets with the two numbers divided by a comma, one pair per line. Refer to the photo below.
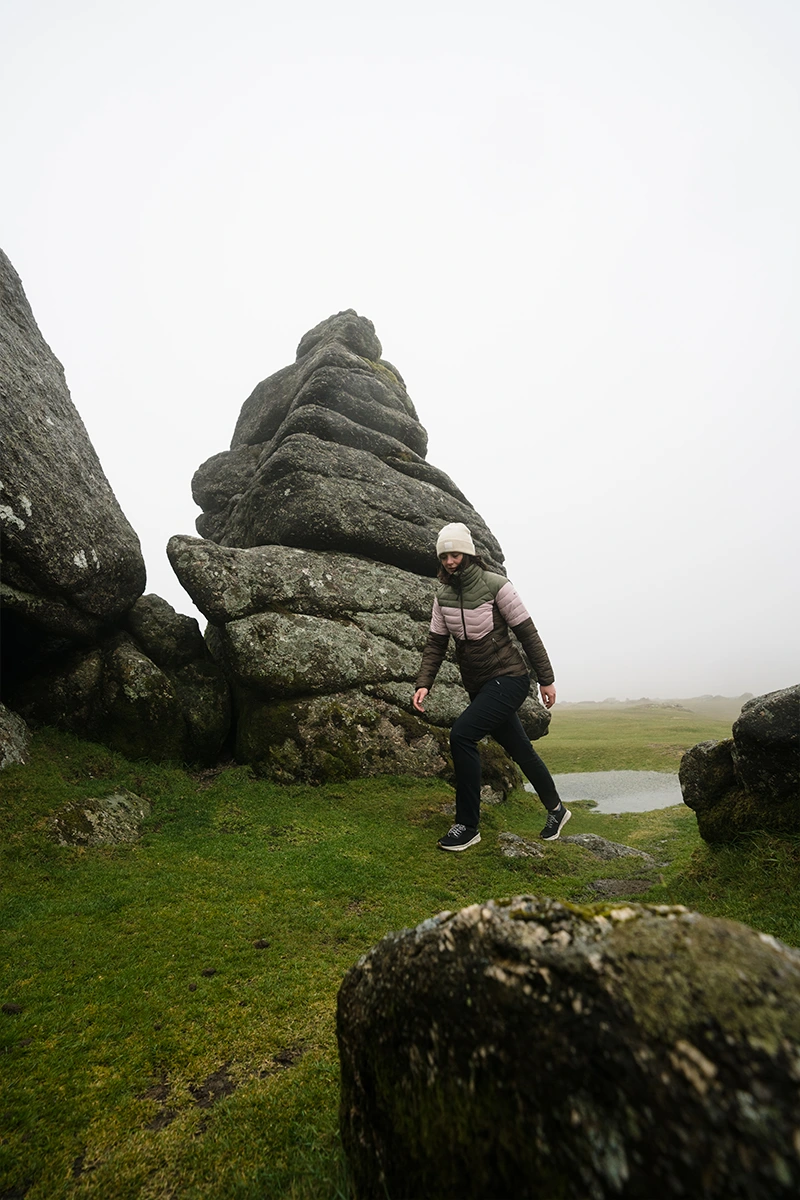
[620,791]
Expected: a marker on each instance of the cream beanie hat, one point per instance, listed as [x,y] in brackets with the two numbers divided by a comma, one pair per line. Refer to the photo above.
[455,539]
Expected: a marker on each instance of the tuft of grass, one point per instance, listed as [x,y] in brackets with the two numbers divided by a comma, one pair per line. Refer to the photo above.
[172,1002]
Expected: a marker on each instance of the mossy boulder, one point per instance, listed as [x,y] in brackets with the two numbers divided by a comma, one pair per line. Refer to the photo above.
[158,694]
[349,735]
[751,780]
[100,821]
[525,1048]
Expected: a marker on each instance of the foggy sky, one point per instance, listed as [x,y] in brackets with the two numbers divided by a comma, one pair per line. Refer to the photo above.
[574,226]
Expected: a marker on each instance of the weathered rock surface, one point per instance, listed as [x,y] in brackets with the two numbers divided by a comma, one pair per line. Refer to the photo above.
[670,1066]
[152,690]
[73,574]
[614,888]
[514,846]
[14,738]
[606,850]
[107,821]
[322,648]
[328,454]
[752,780]
[71,562]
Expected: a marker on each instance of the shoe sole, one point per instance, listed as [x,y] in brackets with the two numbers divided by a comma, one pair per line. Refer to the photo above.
[466,845]
[553,836]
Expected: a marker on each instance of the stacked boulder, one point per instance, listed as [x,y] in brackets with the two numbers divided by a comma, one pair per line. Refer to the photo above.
[80,648]
[315,569]
[752,779]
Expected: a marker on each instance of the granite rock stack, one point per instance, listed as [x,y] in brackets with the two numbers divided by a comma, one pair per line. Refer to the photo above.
[315,569]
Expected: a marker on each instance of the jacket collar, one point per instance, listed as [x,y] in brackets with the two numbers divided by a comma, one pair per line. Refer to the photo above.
[466,576]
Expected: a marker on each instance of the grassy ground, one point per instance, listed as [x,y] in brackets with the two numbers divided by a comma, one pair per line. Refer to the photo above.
[176,1028]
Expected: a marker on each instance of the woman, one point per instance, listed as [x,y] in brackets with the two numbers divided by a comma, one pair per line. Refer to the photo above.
[478,608]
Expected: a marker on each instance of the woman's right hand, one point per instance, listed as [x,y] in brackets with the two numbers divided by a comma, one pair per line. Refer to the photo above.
[419,696]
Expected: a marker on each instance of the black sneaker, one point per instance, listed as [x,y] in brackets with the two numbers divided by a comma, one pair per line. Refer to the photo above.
[556,820]
[459,838]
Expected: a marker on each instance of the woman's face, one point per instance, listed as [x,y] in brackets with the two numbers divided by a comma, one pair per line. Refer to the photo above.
[451,562]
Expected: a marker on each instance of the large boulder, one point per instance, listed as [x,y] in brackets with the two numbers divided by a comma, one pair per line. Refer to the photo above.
[81,648]
[321,648]
[526,1049]
[149,690]
[315,569]
[751,780]
[328,454]
[71,564]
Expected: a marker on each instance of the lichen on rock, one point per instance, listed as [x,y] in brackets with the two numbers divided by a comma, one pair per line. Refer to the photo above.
[106,821]
[529,1048]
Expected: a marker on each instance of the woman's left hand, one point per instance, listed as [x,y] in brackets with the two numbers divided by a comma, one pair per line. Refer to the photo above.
[548,695]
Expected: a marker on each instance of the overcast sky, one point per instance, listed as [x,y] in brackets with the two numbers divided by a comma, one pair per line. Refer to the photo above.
[574,225]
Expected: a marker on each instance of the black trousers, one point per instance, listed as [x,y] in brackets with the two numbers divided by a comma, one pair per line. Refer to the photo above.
[493,711]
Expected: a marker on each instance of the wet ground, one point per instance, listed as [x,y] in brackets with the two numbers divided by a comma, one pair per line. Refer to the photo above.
[621,791]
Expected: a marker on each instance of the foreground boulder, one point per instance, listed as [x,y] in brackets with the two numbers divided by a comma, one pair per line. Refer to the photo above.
[315,570]
[321,649]
[525,1049]
[71,562]
[751,780]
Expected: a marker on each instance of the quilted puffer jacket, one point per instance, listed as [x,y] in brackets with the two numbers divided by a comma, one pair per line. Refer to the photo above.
[478,608]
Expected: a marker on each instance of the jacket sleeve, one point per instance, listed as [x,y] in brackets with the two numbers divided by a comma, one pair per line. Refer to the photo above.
[518,619]
[434,651]
[534,648]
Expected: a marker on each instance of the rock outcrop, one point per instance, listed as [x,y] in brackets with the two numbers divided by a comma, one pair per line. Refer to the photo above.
[71,562]
[525,1048]
[328,454]
[81,648]
[321,649]
[316,568]
[149,689]
[751,780]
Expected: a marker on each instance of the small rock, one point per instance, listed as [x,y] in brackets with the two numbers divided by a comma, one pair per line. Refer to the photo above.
[107,821]
[14,738]
[514,846]
[207,972]
[260,944]
[601,847]
[192,987]
[621,887]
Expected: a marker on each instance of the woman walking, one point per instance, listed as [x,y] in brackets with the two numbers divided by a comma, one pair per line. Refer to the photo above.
[478,608]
